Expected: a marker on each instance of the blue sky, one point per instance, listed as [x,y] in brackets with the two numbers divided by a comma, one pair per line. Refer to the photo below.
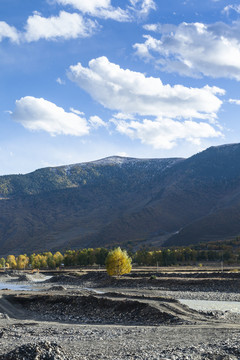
[81,80]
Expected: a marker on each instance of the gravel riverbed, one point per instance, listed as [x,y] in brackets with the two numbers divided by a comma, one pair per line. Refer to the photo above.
[123,342]
[132,322]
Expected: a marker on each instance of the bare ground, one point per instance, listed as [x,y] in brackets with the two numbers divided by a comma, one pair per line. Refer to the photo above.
[87,315]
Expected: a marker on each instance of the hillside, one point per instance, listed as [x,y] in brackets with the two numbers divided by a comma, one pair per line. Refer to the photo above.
[123,201]
[66,206]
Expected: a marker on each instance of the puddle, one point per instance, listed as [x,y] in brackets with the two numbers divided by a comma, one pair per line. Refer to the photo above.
[14,287]
[208,305]
[95,291]
[41,279]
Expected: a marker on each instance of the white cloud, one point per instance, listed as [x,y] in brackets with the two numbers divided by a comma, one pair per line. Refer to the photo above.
[38,114]
[195,49]
[96,122]
[228,8]
[87,6]
[164,133]
[143,7]
[73,25]
[60,81]
[9,32]
[66,26]
[122,116]
[77,111]
[133,93]
[122,154]
[151,27]
[148,5]
[97,8]
[143,50]
[234,101]
[104,8]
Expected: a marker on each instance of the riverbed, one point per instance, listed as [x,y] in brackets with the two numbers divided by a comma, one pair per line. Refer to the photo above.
[15,287]
[208,305]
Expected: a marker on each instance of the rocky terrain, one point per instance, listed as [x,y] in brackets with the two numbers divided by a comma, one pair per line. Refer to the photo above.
[87,315]
[42,350]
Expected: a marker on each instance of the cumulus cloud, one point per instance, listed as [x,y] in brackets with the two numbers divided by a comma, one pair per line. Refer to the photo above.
[66,26]
[164,133]
[133,93]
[9,32]
[38,114]
[104,8]
[195,49]
[74,25]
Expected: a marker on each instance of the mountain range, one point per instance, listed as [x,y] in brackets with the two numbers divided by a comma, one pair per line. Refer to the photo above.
[123,201]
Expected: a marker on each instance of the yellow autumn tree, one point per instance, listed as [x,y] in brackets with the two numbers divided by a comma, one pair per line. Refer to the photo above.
[22,262]
[118,262]
[58,258]
[11,261]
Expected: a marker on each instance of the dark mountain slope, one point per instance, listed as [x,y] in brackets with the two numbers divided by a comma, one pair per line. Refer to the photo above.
[188,193]
[121,200]
[57,208]
[215,176]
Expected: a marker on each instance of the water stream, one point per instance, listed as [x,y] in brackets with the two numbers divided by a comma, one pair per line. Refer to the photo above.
[208,305]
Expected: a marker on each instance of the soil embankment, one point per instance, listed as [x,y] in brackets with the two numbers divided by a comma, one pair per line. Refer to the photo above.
[109,308]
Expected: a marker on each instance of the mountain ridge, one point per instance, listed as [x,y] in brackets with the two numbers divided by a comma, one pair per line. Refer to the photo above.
[123,201]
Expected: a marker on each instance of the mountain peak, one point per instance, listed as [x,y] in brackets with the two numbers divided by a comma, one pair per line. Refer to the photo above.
[113,160]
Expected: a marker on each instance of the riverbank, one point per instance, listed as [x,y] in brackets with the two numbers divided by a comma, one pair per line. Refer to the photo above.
[87,315]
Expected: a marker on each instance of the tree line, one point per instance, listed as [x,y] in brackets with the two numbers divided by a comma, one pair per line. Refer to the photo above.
[229,253]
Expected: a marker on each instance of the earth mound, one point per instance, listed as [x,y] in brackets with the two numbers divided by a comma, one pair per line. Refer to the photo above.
[32,277]
[93,309]
[96,278]
[37,351]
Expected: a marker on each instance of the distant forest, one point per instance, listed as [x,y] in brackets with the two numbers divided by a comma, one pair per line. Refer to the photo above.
[216,251]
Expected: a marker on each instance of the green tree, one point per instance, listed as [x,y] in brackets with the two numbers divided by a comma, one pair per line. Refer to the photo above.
[101,255]
[2,263]
[118,262]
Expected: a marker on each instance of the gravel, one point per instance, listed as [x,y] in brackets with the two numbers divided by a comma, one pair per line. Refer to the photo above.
[43,350]
[120,343]
[44,335]
[202,295]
